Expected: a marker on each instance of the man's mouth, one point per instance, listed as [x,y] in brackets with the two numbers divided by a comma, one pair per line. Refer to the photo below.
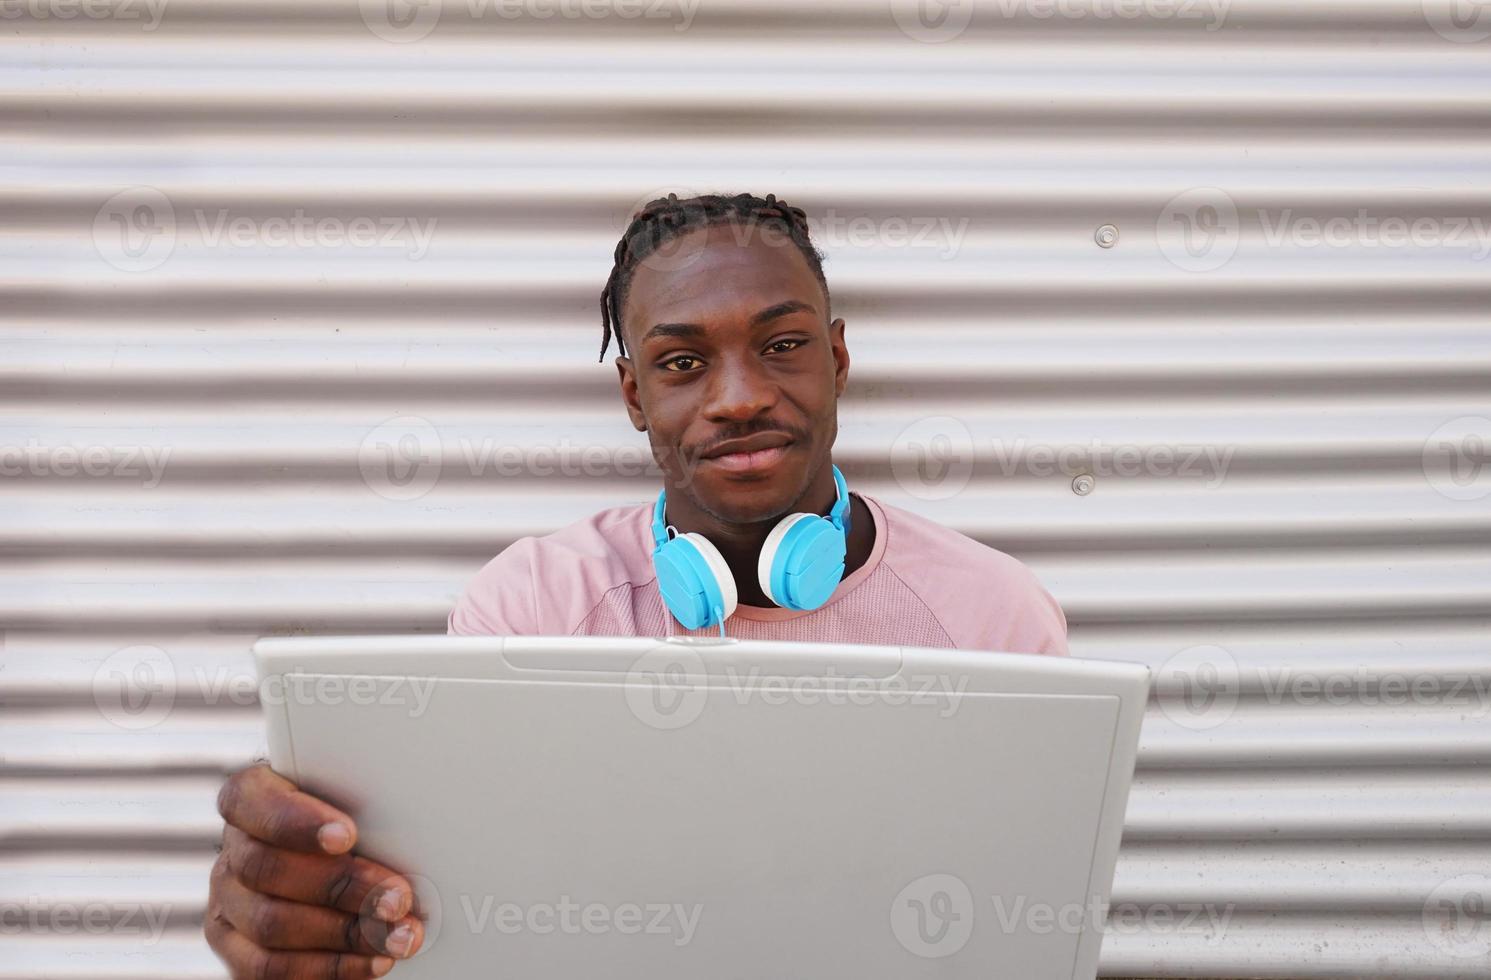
[757,452]
[746,462]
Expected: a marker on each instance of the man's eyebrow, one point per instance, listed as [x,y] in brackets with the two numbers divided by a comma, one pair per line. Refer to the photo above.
[781,310]
[673,330]
[695,330]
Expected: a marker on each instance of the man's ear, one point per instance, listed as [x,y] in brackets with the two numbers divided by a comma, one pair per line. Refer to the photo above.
[841,355]
[628,376]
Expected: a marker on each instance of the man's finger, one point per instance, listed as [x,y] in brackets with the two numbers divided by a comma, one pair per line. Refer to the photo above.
[267,806]
[248,961]
[347,882]
[277,924]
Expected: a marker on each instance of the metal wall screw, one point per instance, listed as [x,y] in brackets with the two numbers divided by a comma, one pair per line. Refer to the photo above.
[1083,485]
[1106,236]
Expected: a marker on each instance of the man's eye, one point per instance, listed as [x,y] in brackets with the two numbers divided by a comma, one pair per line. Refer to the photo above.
[782,346]
[683,362]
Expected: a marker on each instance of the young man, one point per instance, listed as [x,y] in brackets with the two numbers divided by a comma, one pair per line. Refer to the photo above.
[732,366]
[730,363]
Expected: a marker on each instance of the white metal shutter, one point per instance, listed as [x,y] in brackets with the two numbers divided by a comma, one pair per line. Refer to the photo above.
[214,428]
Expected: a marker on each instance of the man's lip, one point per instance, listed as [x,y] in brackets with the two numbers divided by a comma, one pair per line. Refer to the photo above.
[750,444]
[747,462]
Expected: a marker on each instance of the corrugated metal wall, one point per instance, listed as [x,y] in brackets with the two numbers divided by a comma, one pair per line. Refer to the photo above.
[290,290]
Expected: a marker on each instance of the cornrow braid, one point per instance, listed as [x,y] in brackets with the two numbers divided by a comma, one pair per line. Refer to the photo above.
[663,219]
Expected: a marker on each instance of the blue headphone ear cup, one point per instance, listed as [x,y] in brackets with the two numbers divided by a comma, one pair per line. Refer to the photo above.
[723,578]
[695,581]
[802,561]
[770,564]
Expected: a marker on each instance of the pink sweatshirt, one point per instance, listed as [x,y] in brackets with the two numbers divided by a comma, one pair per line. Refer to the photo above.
[923,585]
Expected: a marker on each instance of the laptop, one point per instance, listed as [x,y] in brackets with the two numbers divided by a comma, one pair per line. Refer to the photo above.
[715,807]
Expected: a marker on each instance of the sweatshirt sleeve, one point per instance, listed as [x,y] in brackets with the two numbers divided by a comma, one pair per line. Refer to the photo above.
[1040,626]
[500,599]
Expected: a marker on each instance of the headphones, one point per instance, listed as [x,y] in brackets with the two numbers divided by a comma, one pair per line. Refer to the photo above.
[801,564]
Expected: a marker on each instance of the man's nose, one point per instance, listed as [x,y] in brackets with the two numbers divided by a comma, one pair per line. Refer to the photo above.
[739,389]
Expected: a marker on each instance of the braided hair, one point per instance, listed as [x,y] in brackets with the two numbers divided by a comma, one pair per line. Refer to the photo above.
[665,218]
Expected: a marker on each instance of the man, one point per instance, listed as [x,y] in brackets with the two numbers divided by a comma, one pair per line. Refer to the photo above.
[729,361]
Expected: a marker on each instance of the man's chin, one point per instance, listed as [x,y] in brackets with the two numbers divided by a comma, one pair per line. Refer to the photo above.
[740,499]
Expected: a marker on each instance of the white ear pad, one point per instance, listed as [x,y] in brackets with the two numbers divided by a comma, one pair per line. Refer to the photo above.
[718,566]
[769,551]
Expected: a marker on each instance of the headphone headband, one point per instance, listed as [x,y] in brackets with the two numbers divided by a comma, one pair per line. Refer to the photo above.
[839,512]
[659,529]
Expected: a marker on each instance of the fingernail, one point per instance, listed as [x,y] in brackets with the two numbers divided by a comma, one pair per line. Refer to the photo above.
[334,838]
[381,965]
[400,940]
[390,907]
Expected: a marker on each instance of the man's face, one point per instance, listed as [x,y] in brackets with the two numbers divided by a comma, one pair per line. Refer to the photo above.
[734,370]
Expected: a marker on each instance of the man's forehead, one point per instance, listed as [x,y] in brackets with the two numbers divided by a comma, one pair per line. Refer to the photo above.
[720,271]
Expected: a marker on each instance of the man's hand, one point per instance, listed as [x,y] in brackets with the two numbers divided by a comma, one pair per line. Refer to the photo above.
[290,901]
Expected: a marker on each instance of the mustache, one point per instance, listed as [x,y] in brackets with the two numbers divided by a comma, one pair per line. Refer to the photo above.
[696,451]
